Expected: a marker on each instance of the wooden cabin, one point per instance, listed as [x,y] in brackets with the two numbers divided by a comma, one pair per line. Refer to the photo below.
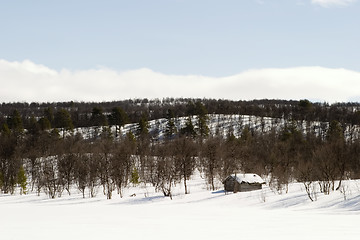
[243,182]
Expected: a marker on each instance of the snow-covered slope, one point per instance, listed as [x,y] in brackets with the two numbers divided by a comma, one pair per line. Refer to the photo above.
[202,214]
[222,124]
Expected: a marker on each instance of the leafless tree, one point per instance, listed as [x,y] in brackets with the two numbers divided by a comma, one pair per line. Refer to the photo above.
[210,160]
[104,155]
[49,177]
[184,151]
[121,165]
[166,172]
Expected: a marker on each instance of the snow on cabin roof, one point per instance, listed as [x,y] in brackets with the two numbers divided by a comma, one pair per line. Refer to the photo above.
[247,178]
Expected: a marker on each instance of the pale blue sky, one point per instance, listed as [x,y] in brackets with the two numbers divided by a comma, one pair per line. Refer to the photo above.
[234,49]
[203,37]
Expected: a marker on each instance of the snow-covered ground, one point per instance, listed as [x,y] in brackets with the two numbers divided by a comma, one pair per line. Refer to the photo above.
[202,214]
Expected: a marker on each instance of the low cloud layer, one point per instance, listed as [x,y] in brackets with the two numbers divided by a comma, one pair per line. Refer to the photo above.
[30,82]
[333,3]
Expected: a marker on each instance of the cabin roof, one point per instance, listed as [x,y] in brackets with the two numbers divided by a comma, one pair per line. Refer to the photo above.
[246,178]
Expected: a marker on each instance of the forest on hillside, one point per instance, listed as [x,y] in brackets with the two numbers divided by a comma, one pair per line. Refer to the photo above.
[81,112]
[41,152]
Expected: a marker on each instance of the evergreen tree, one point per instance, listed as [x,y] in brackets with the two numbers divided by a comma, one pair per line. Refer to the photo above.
[189,129]
[118,118]
[34,127]
[305,109]
[44,123]
[135,176]
[246,134]
[22,180]
[97,117]
[143,126]
[5,130]
[202,127]
[106,133]
[190,108]
[335,132]
[170,125]
[49,115]
[131,139]
[98,120]
[63,121]
[15,123]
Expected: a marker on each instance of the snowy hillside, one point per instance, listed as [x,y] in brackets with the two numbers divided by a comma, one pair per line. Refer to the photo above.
[202,214]
[222,124]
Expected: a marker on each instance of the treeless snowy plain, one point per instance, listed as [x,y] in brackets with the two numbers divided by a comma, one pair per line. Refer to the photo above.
[202,214]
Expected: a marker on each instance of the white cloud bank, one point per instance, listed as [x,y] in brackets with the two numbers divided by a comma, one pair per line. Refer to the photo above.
[333,3]
[27,81]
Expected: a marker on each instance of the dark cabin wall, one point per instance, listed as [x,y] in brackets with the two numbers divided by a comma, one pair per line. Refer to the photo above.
[246,187]
[230,185]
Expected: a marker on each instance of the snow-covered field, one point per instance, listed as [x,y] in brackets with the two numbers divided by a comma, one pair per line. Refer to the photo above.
[202,214]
